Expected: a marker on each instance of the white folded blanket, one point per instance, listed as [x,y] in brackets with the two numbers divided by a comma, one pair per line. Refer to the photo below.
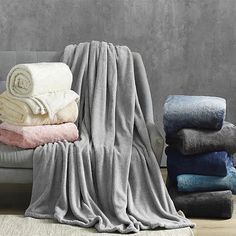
[27,80]
[17,112]
[44,87]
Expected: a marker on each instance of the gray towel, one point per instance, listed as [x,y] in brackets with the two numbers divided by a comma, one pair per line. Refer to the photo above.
[213,204]
[195,141]
[110,178]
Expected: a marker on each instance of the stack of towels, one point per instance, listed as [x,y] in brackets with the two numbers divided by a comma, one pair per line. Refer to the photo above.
[38,106]
[201,174]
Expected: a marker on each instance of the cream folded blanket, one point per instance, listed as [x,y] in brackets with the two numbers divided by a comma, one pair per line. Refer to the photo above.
[19,113]
[33,136]
[44,87]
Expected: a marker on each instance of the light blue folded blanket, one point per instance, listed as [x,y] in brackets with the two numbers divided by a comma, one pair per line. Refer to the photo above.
[201,112]
[198,183]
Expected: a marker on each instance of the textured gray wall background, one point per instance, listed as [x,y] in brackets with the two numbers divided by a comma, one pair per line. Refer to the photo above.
[188,46]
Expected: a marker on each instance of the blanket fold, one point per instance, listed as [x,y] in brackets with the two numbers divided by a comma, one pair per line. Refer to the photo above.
[110,179]
[193,183]
[201,112]
[17,112]
[213,163]
[33,136]
[194,141]
[214,204]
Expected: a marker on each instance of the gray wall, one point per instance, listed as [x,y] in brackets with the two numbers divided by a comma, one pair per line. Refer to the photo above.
[188,46]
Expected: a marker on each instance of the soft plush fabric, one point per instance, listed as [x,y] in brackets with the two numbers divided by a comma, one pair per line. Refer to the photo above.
[110,179]
[44,87]
[194,183]
[19,113]
[48,103]
[15,157]
[214,204]
[182,111]
[194,141]
[30,80]
[213,163]
[33,136]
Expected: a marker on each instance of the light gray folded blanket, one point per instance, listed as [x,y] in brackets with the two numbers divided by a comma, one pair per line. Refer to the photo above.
[110,179]
[195,141]
[200,112]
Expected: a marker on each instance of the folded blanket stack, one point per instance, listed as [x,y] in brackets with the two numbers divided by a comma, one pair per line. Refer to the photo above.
[38,105]
[199,155]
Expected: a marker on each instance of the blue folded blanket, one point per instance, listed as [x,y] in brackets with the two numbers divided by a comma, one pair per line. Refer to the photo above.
[201,112]
[212,163]
[196,183]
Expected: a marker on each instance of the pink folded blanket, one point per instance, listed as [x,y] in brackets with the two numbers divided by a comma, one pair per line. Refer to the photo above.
[33,136]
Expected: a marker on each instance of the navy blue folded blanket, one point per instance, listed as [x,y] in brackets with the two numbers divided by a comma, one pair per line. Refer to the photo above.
[203,112]
[212,163]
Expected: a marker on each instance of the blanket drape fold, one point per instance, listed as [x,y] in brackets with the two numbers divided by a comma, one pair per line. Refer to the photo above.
[110,178]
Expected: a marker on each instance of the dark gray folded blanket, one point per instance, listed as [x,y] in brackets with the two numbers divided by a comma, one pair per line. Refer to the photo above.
[182,111]
[214,204]
[193,141]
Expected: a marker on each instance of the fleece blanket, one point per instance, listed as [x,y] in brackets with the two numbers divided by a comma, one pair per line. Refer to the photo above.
[48,103]
[110,178]
[214,204]
[29,80]
[213,163]
[33,136]
[194,141]
[44,87]
[17,112]
[194,183]
[201,112]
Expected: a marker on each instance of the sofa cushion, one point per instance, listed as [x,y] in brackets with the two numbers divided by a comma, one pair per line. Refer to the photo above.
[14,157]
[15,176]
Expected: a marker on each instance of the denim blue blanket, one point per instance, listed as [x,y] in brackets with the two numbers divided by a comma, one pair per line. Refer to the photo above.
[194,183]
[213,163]
[193,112]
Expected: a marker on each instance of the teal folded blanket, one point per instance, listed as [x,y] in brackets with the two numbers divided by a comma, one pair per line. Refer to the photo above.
[194,141]
[197,183]
[193,112]
[213,163]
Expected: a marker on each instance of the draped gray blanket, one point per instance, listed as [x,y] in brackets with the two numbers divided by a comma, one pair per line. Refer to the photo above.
[110,178]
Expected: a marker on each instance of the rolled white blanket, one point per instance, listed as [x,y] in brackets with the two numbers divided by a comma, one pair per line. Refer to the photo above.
[27,80]
[44,87]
